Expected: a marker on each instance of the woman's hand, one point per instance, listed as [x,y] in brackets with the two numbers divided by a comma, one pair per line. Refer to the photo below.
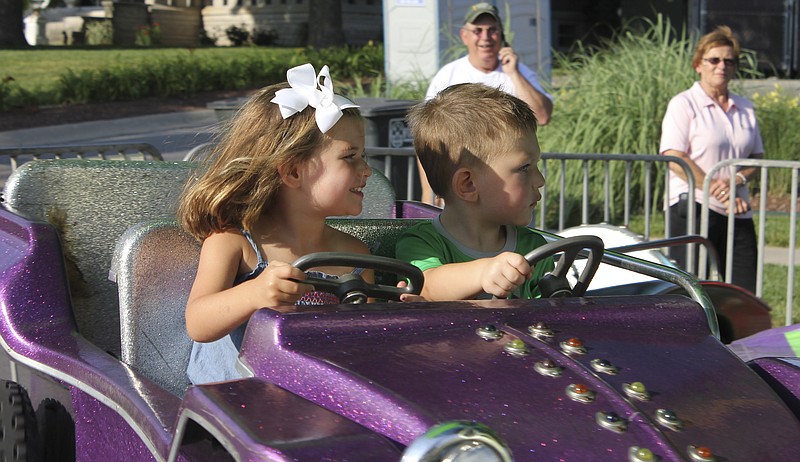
[739,205]
[719,190]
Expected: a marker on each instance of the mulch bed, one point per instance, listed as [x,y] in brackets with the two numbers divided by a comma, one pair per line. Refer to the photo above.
[775,203]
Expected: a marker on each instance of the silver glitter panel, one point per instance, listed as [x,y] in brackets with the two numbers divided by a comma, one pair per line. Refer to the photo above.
[155,264]
[91,203]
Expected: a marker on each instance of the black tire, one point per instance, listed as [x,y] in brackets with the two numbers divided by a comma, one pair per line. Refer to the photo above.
[18,430]
[56,431]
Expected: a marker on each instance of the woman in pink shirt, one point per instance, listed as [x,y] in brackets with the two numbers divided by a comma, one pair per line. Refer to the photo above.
[704,125]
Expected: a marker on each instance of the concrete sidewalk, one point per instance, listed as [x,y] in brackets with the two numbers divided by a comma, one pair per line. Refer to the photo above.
[780,256]
[173,134]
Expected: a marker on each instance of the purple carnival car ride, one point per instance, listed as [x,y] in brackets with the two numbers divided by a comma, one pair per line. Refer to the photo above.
[94,369]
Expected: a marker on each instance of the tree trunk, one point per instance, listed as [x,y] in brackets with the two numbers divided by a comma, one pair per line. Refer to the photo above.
[324,23]
[11,29]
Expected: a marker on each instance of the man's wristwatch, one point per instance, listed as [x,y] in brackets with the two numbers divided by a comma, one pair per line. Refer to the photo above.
[741,176]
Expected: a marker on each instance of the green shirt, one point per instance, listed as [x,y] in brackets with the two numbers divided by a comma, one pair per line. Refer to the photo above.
[428,245]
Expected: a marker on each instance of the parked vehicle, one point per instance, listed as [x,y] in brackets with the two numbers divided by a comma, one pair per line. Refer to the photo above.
[593,377]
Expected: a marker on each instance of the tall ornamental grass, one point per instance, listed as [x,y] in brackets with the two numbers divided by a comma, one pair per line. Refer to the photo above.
[613,101]
[778,116]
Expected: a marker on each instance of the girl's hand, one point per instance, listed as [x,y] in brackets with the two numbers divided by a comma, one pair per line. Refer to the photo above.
[281,284]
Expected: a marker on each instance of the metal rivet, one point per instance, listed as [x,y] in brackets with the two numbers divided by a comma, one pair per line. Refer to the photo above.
[669,419]
[636,390]
[700,453]
[639,454]
[611,421]
[489,332]
[573,346]
[517,347]
[541,331]
[548,368]
[580,393]
[604,366]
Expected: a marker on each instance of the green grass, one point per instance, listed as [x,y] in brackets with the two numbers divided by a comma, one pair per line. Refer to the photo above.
[776,227]
[40,68]
[774,289]
[775,276]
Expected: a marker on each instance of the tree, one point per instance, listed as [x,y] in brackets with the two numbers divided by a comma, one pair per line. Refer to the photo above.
[11,30]
[324,23]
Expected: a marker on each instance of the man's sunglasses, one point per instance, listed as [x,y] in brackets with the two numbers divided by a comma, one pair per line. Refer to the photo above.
[729,62]
[478,31]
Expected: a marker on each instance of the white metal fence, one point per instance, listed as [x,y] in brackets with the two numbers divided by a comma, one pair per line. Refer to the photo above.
[650,167]
[765,166]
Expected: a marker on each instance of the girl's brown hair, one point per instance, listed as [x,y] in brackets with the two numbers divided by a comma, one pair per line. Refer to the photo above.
[239,181]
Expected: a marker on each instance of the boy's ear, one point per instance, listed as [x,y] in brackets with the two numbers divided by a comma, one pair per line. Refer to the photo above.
[464,186]
[290,174]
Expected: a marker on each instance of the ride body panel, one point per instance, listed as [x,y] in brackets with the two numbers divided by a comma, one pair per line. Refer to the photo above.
[400,369]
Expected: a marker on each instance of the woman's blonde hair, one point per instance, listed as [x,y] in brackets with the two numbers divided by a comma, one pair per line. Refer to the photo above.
[722,36]
[464,125]
[239,181]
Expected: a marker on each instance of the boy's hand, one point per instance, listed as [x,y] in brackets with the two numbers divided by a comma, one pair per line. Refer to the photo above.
[281,284]
[409,297]
[504,273]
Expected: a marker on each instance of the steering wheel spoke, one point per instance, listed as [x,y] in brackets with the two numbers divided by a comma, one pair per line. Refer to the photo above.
[556,284]
[352,288]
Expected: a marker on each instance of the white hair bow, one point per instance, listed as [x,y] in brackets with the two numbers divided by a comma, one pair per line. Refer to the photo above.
[310,89]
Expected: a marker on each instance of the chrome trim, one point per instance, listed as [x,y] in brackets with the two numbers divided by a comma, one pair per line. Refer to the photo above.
[441,437]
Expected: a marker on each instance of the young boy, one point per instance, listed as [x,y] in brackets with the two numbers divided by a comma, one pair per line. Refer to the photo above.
[479,150]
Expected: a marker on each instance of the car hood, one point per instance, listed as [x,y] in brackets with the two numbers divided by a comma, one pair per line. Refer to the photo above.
[398,369]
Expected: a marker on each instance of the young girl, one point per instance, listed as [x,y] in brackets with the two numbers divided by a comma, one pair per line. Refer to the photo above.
[292,156]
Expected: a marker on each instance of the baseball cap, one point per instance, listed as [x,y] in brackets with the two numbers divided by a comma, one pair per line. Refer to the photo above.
[481,8]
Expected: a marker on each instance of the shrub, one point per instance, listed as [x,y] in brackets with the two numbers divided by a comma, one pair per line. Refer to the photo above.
[349,60]
[264,37]
[100,32]
[181,75]
[148,35]
[237,35]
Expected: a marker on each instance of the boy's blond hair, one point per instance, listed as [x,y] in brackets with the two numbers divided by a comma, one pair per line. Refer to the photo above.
[722,36]
[464,125]
[240,179]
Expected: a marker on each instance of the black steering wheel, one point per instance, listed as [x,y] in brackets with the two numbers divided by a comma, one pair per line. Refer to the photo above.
[351,288]
[555,284]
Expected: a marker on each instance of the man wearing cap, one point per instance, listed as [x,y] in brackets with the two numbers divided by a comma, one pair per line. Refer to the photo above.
[491,61]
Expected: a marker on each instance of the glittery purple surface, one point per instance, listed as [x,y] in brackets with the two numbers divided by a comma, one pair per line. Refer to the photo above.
[398,371]
[360,383]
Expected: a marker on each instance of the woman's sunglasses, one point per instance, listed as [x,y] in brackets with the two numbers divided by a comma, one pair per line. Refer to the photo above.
[729,62]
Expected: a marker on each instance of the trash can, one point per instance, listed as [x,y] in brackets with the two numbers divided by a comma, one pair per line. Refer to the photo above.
[386,127]
[225,109]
